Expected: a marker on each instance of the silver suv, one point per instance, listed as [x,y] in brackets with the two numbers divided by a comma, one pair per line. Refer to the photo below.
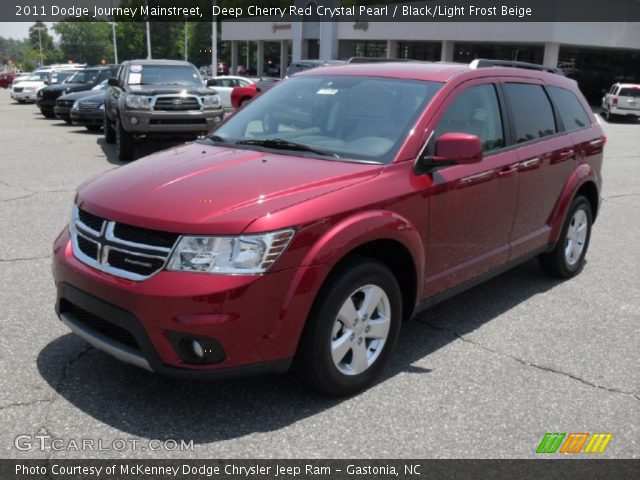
[622,99]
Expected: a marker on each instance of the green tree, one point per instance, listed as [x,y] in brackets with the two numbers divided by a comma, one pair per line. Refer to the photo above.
[85,42]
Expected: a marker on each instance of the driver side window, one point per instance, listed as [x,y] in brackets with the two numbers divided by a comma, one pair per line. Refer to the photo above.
[475,111]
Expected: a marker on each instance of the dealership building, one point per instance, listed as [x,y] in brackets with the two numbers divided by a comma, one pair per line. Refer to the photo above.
[596,54]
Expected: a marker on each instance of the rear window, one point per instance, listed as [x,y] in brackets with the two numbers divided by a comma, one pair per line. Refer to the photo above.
[630,92]
[569,108]
[532,112]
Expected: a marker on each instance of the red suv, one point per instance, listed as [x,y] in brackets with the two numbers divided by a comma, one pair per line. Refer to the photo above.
[311,223]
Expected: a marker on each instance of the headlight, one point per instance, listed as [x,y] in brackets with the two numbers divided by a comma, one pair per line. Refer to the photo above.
[75,104]
[102,106]
[211,101]
[137,102]
[246,254]
[28,89]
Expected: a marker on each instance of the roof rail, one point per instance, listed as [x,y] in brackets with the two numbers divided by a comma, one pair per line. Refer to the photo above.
[483,63]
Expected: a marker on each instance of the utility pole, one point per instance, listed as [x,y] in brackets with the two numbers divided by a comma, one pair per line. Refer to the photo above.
[39,29]
[214,43]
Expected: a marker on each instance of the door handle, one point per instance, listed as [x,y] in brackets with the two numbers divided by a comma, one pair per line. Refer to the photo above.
[567,153]
[531,163]
[507,172]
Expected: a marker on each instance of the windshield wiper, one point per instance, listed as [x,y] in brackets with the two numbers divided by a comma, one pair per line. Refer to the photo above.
[281,144]
[217,138]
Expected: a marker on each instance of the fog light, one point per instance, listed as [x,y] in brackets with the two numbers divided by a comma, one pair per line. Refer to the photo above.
[134,120]
[217,119]
[197,349]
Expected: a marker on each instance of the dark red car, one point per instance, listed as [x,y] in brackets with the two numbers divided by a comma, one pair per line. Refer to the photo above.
[241,95]
[316,219]
[6,79]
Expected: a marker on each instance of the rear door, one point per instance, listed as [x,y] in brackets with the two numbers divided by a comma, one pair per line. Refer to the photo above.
[472,207]
[546,157]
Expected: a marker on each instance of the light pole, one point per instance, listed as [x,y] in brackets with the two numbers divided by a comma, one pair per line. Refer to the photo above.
[115,42]
[39,29]
[214,43]
[148,34]
[186,40]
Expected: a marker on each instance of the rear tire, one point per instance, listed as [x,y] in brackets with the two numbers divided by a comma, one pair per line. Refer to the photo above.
[109,130]
[125,145]
[352,328]
[567,258]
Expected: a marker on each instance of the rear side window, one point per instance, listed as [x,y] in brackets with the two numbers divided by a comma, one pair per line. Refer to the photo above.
[531,110]
[630,92]
[475,111]
[570,109]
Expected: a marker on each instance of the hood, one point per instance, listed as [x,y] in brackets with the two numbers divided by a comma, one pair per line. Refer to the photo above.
[82,94]
[168,89]
[200,188]
[69,87]
[28,84]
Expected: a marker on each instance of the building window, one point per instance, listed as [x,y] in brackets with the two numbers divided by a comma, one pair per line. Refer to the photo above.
[466,52]
[429,51]
[360,48]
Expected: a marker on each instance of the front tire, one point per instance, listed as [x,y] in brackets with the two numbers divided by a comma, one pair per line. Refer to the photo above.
[125,145]
[567,258]
[352,328]
[109,130]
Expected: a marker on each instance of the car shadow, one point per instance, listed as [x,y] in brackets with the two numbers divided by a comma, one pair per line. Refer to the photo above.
[143,148]
[148,405]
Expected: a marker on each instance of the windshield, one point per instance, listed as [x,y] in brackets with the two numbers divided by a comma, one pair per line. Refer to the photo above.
[38,77]
[164,75]
[345,117]
[101,86]
[84,76]
[60,77]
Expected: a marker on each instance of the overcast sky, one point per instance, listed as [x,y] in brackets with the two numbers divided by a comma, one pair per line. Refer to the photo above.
[18,30]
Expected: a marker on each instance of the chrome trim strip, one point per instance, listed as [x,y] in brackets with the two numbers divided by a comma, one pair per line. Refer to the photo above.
[102,342]
[111,236]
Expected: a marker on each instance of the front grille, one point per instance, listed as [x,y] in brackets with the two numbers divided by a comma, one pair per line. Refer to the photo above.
[176,104]
[51,94]
[18,89]
[119,249]
[108,329]
[89,248]
[178,121]
[90,220]
[145,236]
[88,106]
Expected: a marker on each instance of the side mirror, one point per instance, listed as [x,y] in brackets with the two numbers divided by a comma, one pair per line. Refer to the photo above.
[46,82]
[451,149]
[113,82]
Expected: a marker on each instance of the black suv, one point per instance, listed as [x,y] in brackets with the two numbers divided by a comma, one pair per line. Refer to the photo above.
[81,80]
[157,98]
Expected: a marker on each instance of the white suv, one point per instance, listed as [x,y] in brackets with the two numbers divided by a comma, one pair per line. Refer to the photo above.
[621,99]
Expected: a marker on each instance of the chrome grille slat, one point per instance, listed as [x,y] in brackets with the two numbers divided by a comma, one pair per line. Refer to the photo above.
[114,255]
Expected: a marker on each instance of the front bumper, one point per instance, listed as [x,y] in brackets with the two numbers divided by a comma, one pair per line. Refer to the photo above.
[256,320]
[46,104]
[29,96]
[63,113]
[165,122]
[93,117]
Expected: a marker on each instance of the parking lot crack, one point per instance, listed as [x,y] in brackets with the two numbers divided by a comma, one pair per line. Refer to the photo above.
[25,404]
[548,369]
[23,259]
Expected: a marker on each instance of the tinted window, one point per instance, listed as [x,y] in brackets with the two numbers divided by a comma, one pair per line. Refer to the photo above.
[532,113]
[570,109]
[475,111]
[630,92]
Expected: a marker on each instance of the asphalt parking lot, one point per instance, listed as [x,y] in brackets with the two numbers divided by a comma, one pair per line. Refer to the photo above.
[485,374]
